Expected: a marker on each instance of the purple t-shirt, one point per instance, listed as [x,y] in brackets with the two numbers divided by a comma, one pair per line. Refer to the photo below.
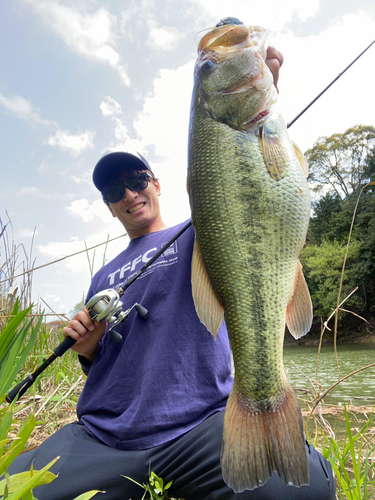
[168,374]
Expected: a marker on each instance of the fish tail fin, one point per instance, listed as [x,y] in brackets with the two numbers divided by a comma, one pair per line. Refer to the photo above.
[257,443]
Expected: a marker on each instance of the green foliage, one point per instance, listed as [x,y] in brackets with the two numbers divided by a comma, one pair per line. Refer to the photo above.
[154,488]
[322,224]
[17,338]
[331,221]
[364,231]
[339,162]
[15,345]
[11,448]
[322,265]
[352,462]
[20,486]
[12,350]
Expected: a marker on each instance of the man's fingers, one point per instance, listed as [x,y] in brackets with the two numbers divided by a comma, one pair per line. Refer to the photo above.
[273,53]
[274,61]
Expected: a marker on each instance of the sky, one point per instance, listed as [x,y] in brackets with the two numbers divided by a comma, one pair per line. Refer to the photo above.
[79,79]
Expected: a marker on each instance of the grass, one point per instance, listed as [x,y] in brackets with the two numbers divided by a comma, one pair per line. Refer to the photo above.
[353,461]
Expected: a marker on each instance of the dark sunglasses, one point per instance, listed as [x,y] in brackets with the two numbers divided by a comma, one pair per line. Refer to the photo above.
[115,192]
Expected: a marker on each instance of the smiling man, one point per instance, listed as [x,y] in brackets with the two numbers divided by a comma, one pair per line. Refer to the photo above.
[138,210]
[154,401]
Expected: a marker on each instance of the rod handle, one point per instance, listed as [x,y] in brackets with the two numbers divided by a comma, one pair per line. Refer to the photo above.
[20,389]
[65,345]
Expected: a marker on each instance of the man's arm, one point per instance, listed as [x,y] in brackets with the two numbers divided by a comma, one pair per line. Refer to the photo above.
[87,333]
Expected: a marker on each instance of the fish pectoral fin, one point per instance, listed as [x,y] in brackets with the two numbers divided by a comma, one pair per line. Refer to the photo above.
[274,154]
[207,305]
[301,158]
[299,313]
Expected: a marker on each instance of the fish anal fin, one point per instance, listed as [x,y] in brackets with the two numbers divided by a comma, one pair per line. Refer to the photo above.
[274,154]
[256,443]
[301,158]
[299,313]
[207,305]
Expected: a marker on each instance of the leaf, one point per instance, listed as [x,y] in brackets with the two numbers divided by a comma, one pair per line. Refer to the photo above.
[18,481]
[168,485]
[18,443]
[88,495]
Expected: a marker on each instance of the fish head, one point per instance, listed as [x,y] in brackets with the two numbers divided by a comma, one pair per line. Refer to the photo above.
[233,84]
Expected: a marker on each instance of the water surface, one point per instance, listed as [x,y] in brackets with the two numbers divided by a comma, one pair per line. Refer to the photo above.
[358,389]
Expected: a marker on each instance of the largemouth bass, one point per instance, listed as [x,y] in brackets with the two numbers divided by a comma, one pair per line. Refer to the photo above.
[250,207]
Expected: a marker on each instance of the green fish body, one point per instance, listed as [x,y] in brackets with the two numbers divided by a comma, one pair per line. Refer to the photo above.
[250,208]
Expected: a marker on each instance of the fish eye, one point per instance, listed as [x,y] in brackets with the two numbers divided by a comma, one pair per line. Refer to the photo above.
[207,65]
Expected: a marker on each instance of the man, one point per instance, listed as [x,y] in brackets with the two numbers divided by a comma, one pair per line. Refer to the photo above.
[155,400]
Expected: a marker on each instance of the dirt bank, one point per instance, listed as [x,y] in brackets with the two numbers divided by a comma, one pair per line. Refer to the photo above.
[353,330]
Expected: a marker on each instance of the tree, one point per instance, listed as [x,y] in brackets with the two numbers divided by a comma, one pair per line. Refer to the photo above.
[321,223]
[322,266]
[339,162]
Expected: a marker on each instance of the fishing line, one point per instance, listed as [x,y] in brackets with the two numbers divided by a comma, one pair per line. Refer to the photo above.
[333,81]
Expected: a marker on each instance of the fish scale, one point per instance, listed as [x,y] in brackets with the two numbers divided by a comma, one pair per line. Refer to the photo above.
[250,208]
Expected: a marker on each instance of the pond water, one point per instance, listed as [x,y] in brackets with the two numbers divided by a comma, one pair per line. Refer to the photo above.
[357,390]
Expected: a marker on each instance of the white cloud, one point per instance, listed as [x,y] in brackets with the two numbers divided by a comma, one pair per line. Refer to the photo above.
[164,120]
[27,190]
[311,63]
[269,15]
[27,233]
[74,144]
[24,109]
[37,193]
[165,116]
[98,256]
[83,209]
[110,107]
[90,34]
[43,168]
[121,131]
[163,38]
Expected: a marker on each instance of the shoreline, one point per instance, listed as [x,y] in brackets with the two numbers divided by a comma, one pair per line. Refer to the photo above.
[349,333]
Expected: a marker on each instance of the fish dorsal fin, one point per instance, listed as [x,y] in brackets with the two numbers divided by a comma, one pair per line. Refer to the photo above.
[274,154]
[299,313]
[209,309]
[302,160]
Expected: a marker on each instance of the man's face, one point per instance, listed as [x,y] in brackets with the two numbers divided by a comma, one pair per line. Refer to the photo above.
[139,212]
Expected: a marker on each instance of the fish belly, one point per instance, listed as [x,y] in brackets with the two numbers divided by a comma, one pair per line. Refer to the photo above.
[250,230]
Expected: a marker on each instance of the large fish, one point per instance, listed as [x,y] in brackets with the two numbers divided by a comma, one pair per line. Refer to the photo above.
[250,208]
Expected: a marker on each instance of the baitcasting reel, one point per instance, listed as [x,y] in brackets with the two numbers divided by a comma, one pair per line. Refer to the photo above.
[106,305]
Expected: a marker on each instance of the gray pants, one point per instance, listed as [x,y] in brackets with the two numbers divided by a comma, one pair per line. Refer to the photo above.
[191,461]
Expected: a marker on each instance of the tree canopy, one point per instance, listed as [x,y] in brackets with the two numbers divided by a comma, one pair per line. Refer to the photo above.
[339,163]
[340,166]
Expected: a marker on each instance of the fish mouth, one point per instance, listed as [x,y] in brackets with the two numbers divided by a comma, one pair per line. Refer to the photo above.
[260,116]
[230,38]
[136,208]
[225,42]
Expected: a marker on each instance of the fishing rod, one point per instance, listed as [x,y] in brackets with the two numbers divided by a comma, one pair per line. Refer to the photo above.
[105,305]
[328,86]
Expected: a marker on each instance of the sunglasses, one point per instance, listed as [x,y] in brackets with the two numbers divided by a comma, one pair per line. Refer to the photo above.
[115,192]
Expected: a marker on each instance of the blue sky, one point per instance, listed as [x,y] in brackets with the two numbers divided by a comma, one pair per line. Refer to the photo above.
[81,78]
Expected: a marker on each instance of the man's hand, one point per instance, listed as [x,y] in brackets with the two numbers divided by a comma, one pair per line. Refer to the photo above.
[87,333]
[274,61]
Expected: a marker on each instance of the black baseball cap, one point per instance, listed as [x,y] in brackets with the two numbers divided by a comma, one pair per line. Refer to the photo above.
[112,164]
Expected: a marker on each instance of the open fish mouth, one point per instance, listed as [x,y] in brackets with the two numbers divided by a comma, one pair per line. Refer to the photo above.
[231,42]
[231,38]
